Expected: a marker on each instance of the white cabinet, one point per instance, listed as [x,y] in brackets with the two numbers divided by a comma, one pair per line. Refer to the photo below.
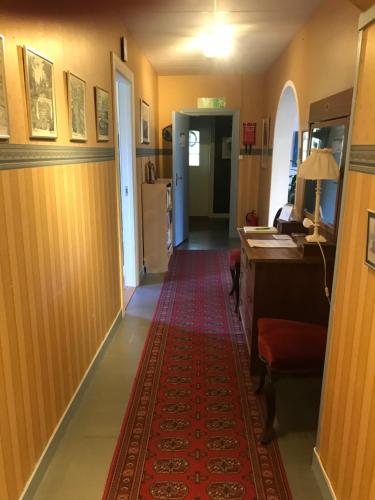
[157,225]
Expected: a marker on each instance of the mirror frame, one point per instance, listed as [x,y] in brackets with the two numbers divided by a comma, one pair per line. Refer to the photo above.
[328,230]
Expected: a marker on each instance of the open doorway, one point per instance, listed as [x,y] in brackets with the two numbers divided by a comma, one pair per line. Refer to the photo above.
[209,166]
[211,163]
[285,151]
[125,154]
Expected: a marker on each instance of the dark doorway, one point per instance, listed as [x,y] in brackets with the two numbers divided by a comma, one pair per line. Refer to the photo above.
[222,164]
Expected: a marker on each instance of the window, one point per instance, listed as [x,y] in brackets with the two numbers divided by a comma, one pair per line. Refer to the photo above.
[194,148]
[293,169]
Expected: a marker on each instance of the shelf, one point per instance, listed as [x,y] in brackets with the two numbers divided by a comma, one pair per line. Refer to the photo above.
[157,225]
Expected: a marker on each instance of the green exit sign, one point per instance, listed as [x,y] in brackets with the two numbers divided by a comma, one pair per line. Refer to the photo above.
[211,102]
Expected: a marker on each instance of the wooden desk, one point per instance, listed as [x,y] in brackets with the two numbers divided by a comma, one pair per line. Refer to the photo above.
[280,283]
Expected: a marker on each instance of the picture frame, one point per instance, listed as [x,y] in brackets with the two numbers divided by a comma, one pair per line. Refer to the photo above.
[102,114]
[226,148]
[40,94]
[76,107]
[265,141]
[124,49]
[4,110]
[370,242]
[145,122]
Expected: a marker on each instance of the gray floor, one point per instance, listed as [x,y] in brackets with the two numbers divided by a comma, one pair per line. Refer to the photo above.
[78,467]
[208,234]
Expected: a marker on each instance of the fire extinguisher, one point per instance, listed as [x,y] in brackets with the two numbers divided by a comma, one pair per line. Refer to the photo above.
[251,218]
[249,131]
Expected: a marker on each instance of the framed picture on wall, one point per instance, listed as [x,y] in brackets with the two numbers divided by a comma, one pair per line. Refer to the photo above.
[370,248]
[4,113]
[40,95]
[265,142]
[226,148]
[77,107]
[102,114]
[145,122]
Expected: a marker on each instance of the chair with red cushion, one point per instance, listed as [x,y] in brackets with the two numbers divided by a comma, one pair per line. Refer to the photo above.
[287,348]
[234,266]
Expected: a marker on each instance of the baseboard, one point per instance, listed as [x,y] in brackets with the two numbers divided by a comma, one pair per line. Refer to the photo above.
[322,477]
[46,457]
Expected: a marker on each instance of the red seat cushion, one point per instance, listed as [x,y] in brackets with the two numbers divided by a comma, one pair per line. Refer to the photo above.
[292,345]
[234,257]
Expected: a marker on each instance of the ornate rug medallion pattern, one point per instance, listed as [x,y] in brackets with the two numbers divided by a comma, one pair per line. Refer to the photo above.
[193,424]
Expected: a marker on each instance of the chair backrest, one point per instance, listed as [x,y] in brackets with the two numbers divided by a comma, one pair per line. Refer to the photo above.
[276,217]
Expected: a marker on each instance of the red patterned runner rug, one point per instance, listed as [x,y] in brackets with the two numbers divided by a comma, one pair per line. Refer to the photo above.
[193,424]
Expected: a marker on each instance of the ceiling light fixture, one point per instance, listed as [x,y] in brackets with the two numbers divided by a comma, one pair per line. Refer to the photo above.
[217,41]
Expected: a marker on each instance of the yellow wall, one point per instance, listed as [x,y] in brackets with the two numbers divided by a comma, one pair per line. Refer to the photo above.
[82,47]
[241,92]
[59,262]
[347,436]
[320,61]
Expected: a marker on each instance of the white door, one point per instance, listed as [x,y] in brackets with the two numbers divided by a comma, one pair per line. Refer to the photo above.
[180,144]
[127,181]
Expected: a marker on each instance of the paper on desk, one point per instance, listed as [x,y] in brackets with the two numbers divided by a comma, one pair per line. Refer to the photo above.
[259,229]
[272,243]
[281,237]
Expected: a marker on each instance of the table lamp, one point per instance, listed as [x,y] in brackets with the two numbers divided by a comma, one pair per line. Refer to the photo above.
[318,166]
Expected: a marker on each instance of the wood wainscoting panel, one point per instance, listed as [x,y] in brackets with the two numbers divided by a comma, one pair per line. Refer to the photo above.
[59,294]
[347,438]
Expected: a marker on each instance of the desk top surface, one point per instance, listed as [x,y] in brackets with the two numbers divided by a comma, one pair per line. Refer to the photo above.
[280,255]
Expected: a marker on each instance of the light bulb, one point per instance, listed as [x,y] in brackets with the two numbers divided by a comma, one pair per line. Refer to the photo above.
[307,222]
[217,42]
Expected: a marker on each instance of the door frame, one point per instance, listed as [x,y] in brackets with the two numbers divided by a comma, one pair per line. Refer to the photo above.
[185,173]
[235,114]
[119,67]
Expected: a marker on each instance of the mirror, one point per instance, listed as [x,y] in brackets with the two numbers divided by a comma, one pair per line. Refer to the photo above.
[331,134]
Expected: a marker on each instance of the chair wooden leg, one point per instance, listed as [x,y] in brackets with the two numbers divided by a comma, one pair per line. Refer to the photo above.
[236,285]
[232,272]
[262,380]
[269,391]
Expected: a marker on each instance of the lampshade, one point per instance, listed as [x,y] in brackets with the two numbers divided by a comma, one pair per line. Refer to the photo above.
[319,165]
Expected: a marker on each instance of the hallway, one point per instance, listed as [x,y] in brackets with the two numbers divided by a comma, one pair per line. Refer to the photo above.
[67,357]
[208,234]
[78,466]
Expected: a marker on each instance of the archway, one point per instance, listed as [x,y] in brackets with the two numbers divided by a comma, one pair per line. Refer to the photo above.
[285,145]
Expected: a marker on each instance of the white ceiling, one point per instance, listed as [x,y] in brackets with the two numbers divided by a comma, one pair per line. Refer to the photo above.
[164,29]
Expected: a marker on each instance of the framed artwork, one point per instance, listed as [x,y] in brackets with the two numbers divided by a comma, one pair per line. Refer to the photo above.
[145,122]
[40,95]
[265,141]
[77,107]
[124,49]
[226,148]
[4,113]
[102,114]
[370,247]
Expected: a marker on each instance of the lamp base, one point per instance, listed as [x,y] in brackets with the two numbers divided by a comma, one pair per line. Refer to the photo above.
[315,237]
